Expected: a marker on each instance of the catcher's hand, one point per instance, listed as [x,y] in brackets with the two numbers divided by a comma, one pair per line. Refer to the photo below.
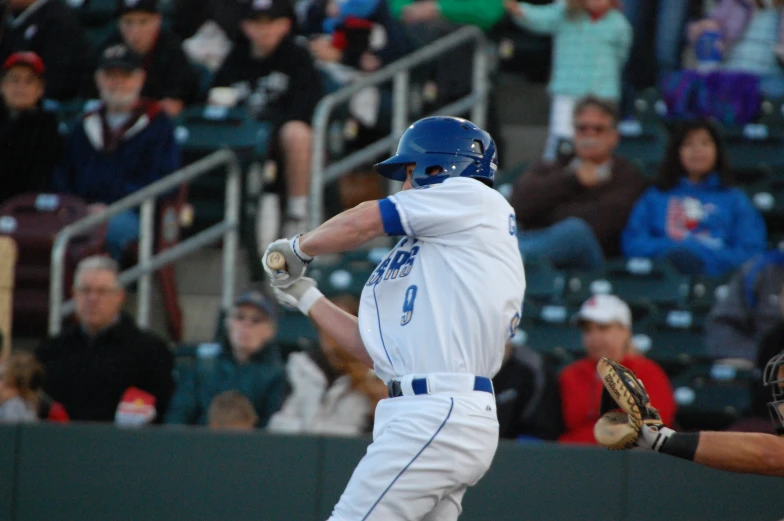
[296,262]
[615,431]
[622,389]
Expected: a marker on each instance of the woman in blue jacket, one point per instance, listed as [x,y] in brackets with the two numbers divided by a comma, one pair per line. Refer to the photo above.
[693,215]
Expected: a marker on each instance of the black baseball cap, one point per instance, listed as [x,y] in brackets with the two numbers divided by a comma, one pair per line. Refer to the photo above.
[119,56]
[271,9]
[258,300]
[130,6]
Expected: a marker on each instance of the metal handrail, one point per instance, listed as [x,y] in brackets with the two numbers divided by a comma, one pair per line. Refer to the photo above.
[148,263]
[397,71]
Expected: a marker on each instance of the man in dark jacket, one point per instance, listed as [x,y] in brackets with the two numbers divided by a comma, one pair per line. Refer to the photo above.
[246,362]
[124,145]
[52,30]
[30,143]
[170,79]
[276,79]
[527,395]
[572,211]
[90,365]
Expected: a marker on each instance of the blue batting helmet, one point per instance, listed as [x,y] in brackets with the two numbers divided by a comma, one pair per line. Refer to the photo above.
[455,145]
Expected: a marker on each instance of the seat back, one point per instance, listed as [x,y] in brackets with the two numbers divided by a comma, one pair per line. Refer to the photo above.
[33,221]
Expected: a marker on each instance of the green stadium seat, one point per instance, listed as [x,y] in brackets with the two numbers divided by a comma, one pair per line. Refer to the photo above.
[647,281]
[296,332]
[547,330]
[346,277]
[704,291]
[672,337]
[711,396]
[544,283]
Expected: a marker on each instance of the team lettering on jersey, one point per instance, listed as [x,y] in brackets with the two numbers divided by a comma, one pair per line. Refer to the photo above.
[397,265]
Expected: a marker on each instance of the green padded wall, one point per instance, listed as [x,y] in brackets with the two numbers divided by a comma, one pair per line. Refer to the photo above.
[668,488]
[100,472]
[341,455]
[545,482]
[8,437]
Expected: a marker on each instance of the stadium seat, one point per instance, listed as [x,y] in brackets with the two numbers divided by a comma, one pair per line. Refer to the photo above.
[711,396]
[345,277]
[547,330]
[202,130]
[673,337]
[704,291]
[33,221]
[544,283]
[767,195]
[296,332]
[638,281]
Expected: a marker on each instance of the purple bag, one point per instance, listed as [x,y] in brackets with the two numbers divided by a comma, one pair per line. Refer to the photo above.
[732,98]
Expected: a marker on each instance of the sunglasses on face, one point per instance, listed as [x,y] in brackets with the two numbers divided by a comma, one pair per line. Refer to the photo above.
[584,127]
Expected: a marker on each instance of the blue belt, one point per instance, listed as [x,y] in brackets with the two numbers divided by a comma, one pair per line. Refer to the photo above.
[419,386]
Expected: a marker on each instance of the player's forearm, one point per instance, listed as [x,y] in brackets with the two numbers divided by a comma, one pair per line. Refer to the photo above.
[345,231]
[341,327]
[748,452]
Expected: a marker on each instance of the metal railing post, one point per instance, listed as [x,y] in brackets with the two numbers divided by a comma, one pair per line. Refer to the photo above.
[317,161]
[57,281]
[400,87]
[480,85]
[231,236]
[146,233]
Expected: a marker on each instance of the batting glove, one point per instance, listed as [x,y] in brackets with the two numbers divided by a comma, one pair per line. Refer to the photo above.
[296,262]
[301,294]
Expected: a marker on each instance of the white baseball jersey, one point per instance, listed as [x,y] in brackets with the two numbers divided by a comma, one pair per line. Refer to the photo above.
[449,295]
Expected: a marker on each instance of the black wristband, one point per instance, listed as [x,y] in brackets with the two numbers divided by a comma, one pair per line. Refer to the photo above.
[681,445]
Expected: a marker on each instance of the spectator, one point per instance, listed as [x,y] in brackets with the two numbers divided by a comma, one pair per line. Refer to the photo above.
[169,78]
[119,148]
[246,361]
[606,324]
[233,411]
[277,80]
[693,216]
[30,142]
[91,364]
[584,32]
[527,396]
[20,382]
[428,20]
[332,392]
[190,15]
[738,323]
[573,210]
[52,30]
[752,39]
[656,49]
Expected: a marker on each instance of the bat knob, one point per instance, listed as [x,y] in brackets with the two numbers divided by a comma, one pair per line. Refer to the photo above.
[276,261]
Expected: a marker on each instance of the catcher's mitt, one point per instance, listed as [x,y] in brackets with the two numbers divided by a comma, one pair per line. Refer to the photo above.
[622,389]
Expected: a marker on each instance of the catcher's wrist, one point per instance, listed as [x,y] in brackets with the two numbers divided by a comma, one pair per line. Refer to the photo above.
[308,299]
[679,444]
[304,257]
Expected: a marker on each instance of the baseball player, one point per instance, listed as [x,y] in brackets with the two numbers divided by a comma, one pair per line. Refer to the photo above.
[433,318]
[639,424]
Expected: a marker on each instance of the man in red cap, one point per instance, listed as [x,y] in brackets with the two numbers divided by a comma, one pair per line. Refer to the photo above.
[30,144]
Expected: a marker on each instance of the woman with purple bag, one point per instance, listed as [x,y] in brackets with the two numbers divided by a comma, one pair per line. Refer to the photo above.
[744,36]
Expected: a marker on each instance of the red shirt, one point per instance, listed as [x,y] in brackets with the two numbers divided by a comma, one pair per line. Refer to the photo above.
[581,392]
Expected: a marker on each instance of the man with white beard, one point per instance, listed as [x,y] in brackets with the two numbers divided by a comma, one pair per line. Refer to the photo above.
[120,147]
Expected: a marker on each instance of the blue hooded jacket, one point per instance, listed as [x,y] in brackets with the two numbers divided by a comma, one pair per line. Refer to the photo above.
[715,222]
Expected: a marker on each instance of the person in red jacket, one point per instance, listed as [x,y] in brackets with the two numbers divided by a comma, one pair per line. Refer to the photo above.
[606,323]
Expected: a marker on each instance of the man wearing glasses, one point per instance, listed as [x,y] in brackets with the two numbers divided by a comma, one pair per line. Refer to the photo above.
[245,360]
[572,210]
[90,365]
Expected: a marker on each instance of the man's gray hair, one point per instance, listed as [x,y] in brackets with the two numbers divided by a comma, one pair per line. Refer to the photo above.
[96,263]
[608,107]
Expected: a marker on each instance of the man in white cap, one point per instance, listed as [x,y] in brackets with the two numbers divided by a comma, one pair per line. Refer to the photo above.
[606,324]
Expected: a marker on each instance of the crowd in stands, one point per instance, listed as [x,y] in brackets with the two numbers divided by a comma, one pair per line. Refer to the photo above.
[582,207]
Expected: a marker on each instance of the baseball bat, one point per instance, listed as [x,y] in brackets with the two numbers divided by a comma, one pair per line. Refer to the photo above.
[276,261]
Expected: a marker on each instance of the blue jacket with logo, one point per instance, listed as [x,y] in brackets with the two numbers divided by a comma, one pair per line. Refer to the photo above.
[715,222]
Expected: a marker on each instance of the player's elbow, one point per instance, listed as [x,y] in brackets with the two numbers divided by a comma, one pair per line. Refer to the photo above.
[771,455]
[365,223]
